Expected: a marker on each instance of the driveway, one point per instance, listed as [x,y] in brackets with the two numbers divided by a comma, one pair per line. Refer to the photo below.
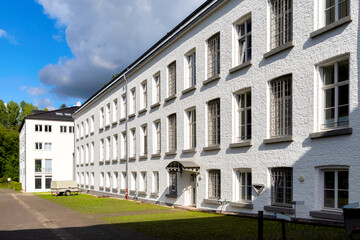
[26,216]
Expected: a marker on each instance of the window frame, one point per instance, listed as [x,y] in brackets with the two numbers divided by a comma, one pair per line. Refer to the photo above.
[190,69]
[213,46]
[156,96]
[173,183]
[144,140]
[143,100]
[171,74]
[214,177]
[274,199]
[215,140]
[237,33]
[190,128]
[157,137]
[238,110]
[172,132]
[240,186]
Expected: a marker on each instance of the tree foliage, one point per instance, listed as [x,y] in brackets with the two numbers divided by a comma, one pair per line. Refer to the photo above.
[63,106]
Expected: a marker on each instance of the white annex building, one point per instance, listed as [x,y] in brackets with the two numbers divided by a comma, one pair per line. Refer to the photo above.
[46,149]
[244,106]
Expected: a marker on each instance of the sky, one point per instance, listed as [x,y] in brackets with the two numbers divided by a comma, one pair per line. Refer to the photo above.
[63,51]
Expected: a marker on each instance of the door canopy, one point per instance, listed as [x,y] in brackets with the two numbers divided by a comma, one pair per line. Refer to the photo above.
[179,166]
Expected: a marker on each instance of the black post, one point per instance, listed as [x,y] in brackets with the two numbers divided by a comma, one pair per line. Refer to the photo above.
[260,225]
[283,229]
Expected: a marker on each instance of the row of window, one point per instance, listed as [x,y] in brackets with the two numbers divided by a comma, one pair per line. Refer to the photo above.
[41,181]
[334,185]
[39,146]
[48,128]
[86,127]
[43,165]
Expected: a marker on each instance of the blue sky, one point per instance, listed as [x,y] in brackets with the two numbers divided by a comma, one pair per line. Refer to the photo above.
[63,51]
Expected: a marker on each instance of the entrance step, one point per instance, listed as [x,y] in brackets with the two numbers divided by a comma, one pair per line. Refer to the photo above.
[187,208]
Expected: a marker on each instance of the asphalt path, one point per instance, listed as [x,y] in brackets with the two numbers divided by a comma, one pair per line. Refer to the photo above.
[26,216]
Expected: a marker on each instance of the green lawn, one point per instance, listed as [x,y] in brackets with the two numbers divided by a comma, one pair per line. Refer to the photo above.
[186,224]
[91,205]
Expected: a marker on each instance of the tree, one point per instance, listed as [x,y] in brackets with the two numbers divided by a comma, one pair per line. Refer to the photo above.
[3,114]
[26,109]
[45,109]
[63,106]
[13,111]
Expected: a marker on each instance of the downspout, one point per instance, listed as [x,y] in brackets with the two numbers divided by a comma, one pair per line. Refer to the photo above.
[126,136]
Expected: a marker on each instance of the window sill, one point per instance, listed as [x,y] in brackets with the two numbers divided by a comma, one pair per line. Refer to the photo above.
[156,155]
[212,148]
[132,158]
[107,125]
[122,119]
[122,190]
[114,123]
[101,161]
[190,89]
[279,49]
[101,129]
[144,110]
[279,140]
[107,189]
[170,98]
[154,194]
[92,164]
[212,201]
[331,26]
[143,157]
[122,159]
[107,160]
[114,189]
[331,133]
[172,195]
[92,187]
[155,105]
[86,135]
[170,153]
[132,191]
[77,140]
[114,160]
[211,79]
[241,66]
[92,133]
[81,138]
[327,215]
[142,193]
[131,115]
[247,143]
[279,209]
[191,150]
[241,205]
[101,188]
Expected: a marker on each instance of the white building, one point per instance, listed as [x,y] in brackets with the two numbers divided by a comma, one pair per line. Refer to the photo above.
[252,102]
[46,149]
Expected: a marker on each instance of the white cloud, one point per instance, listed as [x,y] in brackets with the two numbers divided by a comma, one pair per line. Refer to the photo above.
[34,91]
[4,34]
[44,103]
[105,36]
[78,104]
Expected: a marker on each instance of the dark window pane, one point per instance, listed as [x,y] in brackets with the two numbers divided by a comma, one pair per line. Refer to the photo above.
[248,26]
[343,71]
[343,115]
[343,95]
[343,8]
[343,198]
[330,98]
[38,183]
[329,75]
[343,180]
[248,99]
[329,182]
[249,189]
[47,183]
[329,198]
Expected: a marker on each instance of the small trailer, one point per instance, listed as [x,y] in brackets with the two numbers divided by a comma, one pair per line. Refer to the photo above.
[64,187]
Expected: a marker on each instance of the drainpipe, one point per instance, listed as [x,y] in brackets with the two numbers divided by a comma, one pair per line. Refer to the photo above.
[126,137]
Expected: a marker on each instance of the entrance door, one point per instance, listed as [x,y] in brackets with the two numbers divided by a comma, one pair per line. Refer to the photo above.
[192,190]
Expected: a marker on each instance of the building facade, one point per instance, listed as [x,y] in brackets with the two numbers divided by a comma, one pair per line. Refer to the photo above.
[46,149]
[245,106]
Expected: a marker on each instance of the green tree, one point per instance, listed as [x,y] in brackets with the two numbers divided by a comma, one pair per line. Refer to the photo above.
[13,111]
[63,106]
[45,109]
[26,109]
[3,114]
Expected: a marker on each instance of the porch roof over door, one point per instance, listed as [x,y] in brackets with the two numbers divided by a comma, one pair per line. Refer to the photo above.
[179,166]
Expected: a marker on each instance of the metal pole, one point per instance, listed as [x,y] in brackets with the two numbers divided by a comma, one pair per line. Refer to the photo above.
[260,225]
[283,229]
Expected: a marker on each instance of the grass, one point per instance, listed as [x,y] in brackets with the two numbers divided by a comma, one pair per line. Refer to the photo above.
[189,225]
[88,204]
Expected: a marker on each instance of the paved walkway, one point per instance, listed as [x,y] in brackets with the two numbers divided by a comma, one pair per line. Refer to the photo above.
[26,216]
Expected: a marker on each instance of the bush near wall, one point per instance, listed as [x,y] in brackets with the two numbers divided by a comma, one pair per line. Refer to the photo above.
[15,185]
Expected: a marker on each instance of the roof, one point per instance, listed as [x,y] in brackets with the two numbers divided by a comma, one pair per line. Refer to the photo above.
[65,114]
[179,166]
[184,25]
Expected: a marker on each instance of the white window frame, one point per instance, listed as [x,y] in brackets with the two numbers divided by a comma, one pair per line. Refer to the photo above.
[86,127]
[143,95]
[156,96]
[190,128]
[101,182]
[107,149]
[133,101]
[213,118]
[133,143]
[213,46]
[243,185]
[87,153]
[156,182]
[242,130]
[171,76]
[123,181]
[280,36]
[172,132]
[107,115]
[157,137]
[144,140]
[102,118]
[92,154]
[102,150]
[323,9]
[190,69]
[115,147]
[143,182]
[114,180]
[123,104]
[92,179]
[115,108]
[278,174]
[173,182]
[214,184]
[242,55]
[133,185]
[92,123]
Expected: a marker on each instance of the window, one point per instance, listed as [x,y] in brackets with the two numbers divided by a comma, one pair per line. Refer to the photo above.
[133,181]
[107,115]
[63,129]
[115,147]
[123,145]
[48,182]
[213,56]
[82,155]
[244,188]
[38,184]
[243,116]
[214,185]
[87,127]
[133,101]
[156,88]
[172,132]
[115,180]
[336,188]
[214,122]
[82,129]
[92,122]
[107,157]
[77,131]
[48,165]
[102,150]
[101,182]
[87,179]
[38,128]
[156,182]
[281,107]
[281,22]
[71,129]
[92,152]
[157,137]
[281,186]
[172,79]
[172,183]
[143,100]
[48,146]
[243,46]
[102,117]
[133,143]
[190,70]
[115,111]
[47,128]
[191,129]
[38,146]
[38,166]
[123,101]
[336,94]
[143,183]
[92,179]
[77,155]
[335,10]
[144,140]
[123,180]
[87,154]
[107,180]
